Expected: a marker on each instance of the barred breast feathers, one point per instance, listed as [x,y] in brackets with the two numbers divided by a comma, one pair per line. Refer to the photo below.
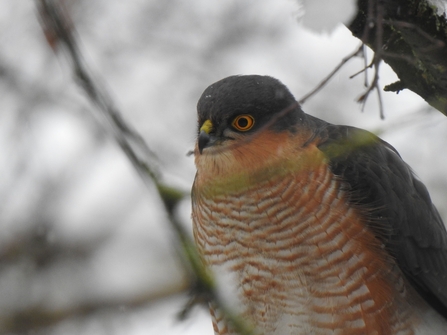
[281,227]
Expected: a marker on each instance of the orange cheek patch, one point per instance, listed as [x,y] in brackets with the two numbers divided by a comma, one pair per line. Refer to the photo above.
[248,159]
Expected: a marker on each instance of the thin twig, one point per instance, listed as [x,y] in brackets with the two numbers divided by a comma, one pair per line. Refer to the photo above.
[365,62]
[434,42]
[334,71]
[374,85]
[364,70]
[408,59]
[377,22]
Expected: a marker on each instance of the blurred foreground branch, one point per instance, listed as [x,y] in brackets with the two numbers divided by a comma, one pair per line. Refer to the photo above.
[60,33]
[33,318]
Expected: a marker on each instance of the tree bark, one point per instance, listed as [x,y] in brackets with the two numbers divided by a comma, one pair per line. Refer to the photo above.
[411,37]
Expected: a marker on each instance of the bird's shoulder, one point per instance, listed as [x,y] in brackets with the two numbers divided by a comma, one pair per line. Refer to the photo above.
[396,205]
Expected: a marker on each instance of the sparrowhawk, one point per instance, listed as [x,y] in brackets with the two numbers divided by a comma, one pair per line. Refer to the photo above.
[310,227]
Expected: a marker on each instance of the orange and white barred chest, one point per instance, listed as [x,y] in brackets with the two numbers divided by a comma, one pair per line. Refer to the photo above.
[293,256]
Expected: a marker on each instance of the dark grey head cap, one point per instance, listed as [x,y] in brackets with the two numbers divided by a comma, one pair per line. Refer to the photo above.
[263,97]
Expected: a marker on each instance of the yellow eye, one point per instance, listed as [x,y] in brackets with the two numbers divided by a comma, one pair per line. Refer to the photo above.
[243,122]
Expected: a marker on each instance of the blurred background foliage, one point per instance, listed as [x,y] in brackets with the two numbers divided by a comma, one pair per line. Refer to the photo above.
[85,247]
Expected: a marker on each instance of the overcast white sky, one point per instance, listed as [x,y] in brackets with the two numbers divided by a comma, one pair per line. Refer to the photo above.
[156,58]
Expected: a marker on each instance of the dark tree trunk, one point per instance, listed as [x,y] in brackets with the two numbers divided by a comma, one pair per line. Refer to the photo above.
[412,39]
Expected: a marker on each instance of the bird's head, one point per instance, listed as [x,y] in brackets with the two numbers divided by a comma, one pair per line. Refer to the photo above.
[248,126]
[234,110]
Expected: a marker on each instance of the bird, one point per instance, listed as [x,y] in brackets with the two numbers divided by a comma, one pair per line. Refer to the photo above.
[309,227]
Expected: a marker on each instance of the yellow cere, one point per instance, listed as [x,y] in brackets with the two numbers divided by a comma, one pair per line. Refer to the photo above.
[207,126]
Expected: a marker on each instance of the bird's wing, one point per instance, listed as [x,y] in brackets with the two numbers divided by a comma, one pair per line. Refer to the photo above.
[397,206]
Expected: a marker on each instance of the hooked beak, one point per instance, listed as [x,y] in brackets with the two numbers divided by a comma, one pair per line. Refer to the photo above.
[204,136]
[204,139]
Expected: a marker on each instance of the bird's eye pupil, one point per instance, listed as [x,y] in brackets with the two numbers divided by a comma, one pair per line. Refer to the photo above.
[243,122]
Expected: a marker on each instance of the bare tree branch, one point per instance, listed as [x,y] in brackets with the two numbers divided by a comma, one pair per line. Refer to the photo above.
[56,24]
[39,317]
[330,75]
[412,38]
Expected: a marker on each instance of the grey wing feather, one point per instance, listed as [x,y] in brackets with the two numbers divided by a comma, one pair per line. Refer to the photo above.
[399,207]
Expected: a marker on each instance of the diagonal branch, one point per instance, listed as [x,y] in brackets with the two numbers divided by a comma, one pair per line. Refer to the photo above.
[54,20]
[56,24]
[330,75]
